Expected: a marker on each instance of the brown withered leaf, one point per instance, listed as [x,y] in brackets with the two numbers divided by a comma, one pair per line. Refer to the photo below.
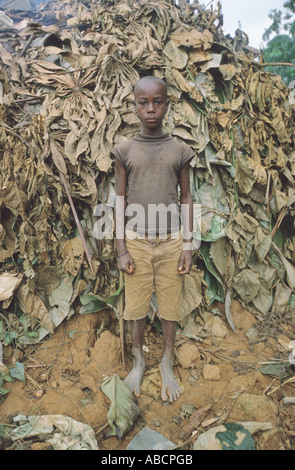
[32,305]
[9,282]
[198,416]
[73,255]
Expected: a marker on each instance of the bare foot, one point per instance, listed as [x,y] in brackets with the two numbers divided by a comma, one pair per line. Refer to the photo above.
[170,388]
[134,378]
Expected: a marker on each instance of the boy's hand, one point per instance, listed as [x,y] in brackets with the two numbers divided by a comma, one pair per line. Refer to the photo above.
[185,262]
[126,264]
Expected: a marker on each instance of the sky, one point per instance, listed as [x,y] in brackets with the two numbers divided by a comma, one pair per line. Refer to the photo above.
[253,15]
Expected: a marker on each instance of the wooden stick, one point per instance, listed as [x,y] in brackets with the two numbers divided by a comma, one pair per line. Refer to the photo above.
[76,219]
[290,380]
[276,64]
[121,319]
[27,45]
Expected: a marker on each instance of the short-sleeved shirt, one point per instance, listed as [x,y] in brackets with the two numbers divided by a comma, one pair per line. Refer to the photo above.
[153,165]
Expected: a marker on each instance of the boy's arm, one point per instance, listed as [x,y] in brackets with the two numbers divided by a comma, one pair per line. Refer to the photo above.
[125,262]
[186,259]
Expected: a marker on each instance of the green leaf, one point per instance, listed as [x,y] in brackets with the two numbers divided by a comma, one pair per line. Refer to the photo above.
[2,429]
[212,277]
[214,290]
[9,337]
[236,437]
[3,392]
[5,378]
[275,369]
[216,231]
[33,334]
[95,303]
[2,329]
[18,372]
[205,253]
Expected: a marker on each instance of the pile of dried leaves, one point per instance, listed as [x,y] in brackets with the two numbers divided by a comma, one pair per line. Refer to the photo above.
[67,71]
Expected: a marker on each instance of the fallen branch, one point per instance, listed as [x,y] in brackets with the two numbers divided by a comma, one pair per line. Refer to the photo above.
[290,380]
[76,219]
[276,64]
[121,319]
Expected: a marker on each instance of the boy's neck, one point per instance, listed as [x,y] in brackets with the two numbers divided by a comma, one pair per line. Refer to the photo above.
[150,133]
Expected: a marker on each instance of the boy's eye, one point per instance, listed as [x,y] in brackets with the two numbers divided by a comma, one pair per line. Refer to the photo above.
[145,103]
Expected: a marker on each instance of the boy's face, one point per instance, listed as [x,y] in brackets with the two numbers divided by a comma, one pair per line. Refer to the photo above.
[151,105]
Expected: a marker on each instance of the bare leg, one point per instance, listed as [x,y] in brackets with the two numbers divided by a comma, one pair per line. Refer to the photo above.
[134,378]
[170,388]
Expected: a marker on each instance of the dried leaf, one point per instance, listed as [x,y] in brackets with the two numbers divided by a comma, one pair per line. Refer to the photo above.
[123,412]
[247,283]
[73,255]
[9,282]
[31,304]
[192,291]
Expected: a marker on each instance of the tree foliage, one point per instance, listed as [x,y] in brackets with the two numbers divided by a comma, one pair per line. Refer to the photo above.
[281,48]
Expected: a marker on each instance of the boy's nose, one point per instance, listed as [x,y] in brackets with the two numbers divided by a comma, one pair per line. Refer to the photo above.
[150,107]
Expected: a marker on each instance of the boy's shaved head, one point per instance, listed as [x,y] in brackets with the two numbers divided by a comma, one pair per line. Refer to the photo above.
[147,79]
[151,104]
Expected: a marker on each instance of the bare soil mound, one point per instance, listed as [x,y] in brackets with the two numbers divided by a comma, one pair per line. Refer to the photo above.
[220,372]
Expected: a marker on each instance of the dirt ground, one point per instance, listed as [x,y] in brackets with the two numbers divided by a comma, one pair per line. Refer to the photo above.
[86,348]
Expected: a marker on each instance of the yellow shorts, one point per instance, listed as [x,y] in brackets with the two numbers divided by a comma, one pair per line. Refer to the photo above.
[156,268]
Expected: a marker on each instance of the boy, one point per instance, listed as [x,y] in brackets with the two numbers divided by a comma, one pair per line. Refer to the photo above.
[148,169]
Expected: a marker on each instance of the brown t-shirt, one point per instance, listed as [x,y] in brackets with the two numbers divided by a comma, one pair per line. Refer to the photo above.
[153,165]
